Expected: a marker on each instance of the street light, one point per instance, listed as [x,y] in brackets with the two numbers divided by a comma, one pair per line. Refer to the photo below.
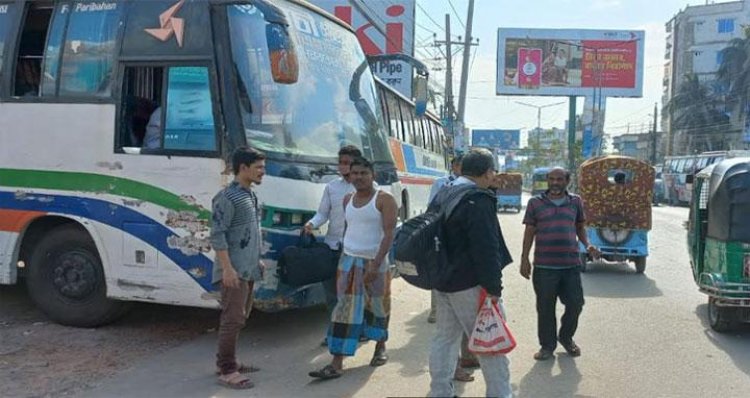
[538,116]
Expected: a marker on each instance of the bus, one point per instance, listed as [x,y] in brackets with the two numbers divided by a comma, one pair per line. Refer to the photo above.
[118,117]
[418,145]
[676,170]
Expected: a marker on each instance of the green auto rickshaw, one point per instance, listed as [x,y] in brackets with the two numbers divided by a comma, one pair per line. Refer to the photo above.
[719,240]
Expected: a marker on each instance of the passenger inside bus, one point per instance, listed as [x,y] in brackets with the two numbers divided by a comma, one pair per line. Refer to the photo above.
[620,178]
[152,140]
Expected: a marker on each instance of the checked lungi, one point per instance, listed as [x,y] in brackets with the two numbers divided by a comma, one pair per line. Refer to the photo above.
[362,310]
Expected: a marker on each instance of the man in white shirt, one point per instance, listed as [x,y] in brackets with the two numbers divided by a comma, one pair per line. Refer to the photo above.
[331,211]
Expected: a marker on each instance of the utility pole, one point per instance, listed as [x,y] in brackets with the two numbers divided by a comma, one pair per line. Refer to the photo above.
[465,65]
[654,138]
[450,110]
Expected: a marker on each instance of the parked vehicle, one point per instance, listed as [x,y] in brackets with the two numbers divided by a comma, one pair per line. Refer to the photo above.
[539,180]
[618,192]
[719,240]
[509,189]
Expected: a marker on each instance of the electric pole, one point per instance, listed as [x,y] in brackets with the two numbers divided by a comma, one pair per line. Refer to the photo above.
[450,110]
[465,65]
[654,138]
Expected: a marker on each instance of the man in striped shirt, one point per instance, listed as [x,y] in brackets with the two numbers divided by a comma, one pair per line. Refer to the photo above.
[555,220]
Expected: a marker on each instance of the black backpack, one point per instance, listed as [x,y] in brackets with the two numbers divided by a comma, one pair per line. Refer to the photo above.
[419,246]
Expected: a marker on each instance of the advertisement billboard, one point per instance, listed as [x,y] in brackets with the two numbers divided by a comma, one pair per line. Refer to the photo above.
[396,18]
[565,62]
[496,139]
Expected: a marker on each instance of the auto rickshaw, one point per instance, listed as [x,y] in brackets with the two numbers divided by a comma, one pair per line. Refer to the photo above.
[539,180]
[617,192]
[509,188]
[719,240]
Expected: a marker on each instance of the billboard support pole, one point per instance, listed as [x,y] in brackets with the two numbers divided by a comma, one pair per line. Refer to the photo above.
[571,134]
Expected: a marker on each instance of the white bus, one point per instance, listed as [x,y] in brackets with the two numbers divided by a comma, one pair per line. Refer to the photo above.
[116,118]
[419,148]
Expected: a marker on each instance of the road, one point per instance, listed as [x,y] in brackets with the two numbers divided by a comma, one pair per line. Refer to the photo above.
[641,336]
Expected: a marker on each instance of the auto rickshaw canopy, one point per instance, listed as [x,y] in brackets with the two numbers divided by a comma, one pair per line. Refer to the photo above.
[617,192]
[508,183]
[729,201]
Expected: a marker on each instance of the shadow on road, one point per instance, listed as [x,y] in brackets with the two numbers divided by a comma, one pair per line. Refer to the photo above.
[541,382]
[733,343]
[617,281]
[414,355]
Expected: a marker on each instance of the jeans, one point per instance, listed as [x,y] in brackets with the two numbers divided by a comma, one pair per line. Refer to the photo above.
[236,304]
[456,314]
[549,284]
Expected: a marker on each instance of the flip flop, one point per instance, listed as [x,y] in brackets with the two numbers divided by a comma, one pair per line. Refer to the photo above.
[543,355]
[572,349]
[328,372]
[242,369]
[380,358]
[462,376]
[235,381]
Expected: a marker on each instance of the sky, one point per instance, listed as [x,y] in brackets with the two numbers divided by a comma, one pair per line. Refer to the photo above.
[484,109]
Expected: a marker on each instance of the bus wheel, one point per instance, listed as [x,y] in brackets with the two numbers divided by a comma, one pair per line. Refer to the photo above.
[640,264]
[721,319]
[66,280]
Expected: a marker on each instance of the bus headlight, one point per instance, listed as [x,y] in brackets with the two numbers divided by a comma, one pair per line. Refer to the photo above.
[614,236]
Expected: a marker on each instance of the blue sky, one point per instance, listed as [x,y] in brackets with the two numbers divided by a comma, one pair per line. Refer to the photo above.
[486,110]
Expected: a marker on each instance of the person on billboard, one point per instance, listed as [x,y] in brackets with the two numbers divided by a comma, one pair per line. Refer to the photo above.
[555,68]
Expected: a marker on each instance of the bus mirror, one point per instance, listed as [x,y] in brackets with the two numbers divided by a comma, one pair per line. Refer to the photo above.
[282,54]
[420,95]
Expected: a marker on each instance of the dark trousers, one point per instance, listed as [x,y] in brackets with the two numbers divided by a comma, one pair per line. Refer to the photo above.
[236,304]
[329,286]
[549,284]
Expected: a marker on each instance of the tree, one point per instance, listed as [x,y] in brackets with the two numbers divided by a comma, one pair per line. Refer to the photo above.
[698,114]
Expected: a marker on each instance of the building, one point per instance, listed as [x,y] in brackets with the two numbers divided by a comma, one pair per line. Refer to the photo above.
[695,38]
[547,138]
[639,146]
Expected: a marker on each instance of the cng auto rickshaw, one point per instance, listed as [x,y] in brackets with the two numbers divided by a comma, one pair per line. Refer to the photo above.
[509,187]
[719,240]
[617,192]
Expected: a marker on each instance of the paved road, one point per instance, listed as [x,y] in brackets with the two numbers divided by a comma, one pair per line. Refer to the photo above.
[641,336]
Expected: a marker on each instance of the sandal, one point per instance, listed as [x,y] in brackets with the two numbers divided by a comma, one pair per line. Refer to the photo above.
[242,369]
[327,373]
[572,349]
[543,355]
[380,358]
[235,381]
[463,376]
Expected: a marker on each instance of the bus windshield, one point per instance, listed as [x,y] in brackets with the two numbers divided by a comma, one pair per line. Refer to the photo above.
[315,116]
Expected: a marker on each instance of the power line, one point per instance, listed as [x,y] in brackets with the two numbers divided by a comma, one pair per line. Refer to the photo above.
[456,13]
[429,17]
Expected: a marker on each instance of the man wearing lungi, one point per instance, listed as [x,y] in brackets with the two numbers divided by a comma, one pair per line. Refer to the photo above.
[363,280]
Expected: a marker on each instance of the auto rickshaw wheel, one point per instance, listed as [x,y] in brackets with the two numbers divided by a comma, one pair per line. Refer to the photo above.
[640,264]
[720,318]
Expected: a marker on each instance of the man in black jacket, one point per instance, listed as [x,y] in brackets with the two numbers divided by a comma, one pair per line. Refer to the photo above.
[476,255]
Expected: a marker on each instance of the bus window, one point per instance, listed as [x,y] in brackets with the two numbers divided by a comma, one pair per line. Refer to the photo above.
[406,116]
[141,96]
[89,49]
[386,113]
[31,50]
[395,116]
[189,114]
[419,131]
[52,52]
[6,15]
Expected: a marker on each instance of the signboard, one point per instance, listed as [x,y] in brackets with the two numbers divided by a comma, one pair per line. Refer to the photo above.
[496,139]
[396,17]
[566,62]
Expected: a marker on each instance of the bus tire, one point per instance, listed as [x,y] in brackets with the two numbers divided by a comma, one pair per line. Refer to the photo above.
[66,280]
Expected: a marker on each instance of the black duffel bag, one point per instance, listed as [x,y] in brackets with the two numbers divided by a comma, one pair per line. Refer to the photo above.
[308,262]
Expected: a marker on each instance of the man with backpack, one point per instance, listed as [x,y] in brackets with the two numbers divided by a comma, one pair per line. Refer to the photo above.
[475,254]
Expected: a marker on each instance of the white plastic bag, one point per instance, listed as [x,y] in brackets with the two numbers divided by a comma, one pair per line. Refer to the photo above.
[490,335]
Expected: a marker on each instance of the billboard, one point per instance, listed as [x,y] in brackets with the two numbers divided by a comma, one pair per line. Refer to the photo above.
[396,17]
[496,139]
[565,62]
